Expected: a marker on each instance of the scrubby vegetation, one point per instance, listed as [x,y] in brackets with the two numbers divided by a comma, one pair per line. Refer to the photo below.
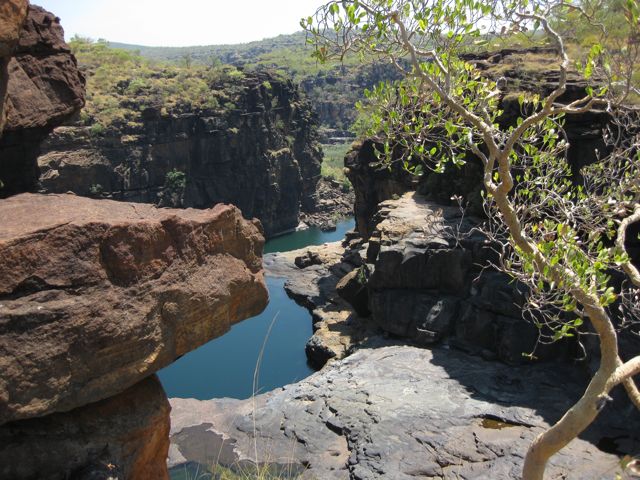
[333,163]
[333,87]
[122,84]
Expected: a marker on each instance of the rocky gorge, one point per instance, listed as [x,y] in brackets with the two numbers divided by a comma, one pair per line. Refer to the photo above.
[421,346]
[412,282]
[423,369]
[98,295]
[261,155]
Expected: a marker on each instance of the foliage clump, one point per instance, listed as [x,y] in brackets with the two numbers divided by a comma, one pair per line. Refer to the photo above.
[172,193]
[122,84]
[562,236]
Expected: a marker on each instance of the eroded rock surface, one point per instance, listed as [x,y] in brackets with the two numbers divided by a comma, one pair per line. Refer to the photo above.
[12,16]
[312,274]
[44,89]
[428,283]
[95,295]
[126,436]
[397,412]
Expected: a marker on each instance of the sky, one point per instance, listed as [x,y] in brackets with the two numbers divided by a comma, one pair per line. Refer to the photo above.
[180,23]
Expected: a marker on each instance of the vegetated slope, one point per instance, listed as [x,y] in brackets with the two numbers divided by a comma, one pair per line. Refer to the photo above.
[333,88]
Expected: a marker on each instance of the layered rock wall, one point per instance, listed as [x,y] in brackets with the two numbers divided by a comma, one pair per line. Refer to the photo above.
[261,156]
[426,280]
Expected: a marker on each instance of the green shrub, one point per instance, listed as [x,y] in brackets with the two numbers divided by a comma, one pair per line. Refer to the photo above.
[97,129]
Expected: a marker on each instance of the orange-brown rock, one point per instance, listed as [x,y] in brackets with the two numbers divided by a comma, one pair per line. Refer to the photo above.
[127,434]
[45,86]
[12,15]
[44,89]
[95,295]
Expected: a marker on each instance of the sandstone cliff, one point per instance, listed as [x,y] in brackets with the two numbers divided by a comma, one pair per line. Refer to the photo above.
[261,155]
[123,437]
[44,89]
[97,295]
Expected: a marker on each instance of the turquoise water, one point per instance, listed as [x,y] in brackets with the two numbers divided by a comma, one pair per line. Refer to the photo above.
[225,366]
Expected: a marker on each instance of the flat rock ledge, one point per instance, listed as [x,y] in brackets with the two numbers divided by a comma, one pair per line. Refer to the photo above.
[396,412]
[96,295]
[337,329]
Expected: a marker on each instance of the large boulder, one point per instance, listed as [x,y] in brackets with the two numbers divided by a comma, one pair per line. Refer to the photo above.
[96,295]
[126,435]
[400,412]
[12,16]
[429,283]
[44,89]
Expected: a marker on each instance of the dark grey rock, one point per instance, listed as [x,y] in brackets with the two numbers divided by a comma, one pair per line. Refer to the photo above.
[430,283]
[353,289]
[403,413]
[262,155]
[307,259]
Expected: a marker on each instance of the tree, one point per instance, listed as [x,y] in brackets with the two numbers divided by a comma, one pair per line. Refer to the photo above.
[172,193]
[564,236]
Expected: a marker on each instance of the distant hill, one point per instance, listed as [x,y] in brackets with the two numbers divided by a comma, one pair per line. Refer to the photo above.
[332,88]
[236,54]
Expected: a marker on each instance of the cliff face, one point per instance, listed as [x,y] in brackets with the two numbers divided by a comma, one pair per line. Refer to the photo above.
[97,295]
[12,16]
[424,283]
[334,93]
[44,89]
[262,156]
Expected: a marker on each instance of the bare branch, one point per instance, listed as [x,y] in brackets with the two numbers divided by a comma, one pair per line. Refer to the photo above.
[628,267]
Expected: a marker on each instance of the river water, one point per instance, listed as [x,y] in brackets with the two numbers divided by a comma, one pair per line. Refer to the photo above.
[225,366]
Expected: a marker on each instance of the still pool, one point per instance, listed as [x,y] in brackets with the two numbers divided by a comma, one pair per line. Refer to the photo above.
[225,366]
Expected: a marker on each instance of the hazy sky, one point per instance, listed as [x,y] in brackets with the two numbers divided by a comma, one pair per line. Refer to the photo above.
[180,22]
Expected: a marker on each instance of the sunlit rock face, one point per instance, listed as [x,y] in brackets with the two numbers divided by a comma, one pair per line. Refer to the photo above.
[125,436]
[44,89]
[96,295]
